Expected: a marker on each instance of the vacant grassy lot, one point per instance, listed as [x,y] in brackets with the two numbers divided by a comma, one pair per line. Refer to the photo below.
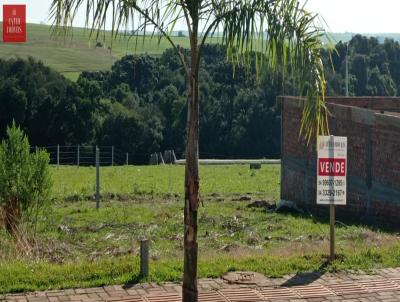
[77,245]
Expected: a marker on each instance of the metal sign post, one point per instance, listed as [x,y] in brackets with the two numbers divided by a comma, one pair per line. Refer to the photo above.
[331,179]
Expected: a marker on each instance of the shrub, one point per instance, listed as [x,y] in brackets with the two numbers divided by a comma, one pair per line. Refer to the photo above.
[24,180]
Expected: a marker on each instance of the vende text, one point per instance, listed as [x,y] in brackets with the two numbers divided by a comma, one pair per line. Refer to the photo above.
[332,167]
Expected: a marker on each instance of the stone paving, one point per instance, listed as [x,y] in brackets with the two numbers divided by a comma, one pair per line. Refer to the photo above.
[379,286]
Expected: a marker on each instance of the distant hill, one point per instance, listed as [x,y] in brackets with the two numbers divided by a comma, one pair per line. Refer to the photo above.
[71,57]
[345,37]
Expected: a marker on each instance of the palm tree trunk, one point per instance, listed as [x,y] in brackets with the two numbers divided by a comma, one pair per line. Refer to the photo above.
[190,292]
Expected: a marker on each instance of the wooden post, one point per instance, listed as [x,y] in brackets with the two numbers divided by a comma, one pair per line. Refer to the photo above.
[112,156]
[332,232]
[127,158]
[97,178]
[332,211]
[144,258]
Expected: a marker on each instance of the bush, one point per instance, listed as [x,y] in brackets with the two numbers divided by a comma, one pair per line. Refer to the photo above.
[24,180]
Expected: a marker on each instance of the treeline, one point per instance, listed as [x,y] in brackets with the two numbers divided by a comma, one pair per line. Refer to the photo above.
[139,105]
[374,68]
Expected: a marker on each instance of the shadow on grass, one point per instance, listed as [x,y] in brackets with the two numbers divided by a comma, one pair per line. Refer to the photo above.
[308,277]
[136,279]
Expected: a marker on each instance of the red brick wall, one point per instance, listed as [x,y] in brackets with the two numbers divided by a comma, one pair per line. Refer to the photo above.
[373,157]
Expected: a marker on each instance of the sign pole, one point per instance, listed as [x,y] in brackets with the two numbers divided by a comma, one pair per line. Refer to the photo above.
[332,226]
[331,179]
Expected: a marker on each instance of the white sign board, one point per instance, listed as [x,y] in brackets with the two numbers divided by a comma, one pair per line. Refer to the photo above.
[332,170]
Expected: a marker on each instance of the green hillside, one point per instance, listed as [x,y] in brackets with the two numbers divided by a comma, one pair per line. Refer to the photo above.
[72,56]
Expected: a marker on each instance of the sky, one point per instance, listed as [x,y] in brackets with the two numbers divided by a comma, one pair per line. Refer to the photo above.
[357,16]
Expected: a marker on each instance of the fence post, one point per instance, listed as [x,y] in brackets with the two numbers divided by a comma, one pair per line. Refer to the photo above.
[77,157]
[97,178]
[173,157]
[144,257]
[112,155]
[127,158]
[161,161]
[58,156]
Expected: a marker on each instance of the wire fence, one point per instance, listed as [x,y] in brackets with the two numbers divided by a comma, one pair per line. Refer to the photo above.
[83,155]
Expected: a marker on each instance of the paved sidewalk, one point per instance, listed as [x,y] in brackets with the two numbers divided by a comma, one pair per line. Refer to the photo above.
[382,286]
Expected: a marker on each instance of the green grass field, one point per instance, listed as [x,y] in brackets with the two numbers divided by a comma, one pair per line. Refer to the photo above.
[71,56]
[77,245]
[161,181]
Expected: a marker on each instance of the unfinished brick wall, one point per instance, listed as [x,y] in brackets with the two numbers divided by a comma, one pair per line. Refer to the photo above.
[372,127]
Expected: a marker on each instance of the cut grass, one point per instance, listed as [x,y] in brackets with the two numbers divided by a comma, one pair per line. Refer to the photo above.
[79,246]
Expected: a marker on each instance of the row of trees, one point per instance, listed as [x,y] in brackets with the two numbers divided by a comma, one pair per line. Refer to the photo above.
[140,104]
[374,68]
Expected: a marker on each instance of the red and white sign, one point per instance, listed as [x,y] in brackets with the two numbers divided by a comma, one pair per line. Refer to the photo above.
[332,167]
[332,170]
[14,23]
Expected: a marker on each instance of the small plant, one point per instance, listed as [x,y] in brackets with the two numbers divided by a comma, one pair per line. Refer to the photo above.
[24,180]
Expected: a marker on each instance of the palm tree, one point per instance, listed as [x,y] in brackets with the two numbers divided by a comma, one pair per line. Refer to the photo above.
[281,33]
